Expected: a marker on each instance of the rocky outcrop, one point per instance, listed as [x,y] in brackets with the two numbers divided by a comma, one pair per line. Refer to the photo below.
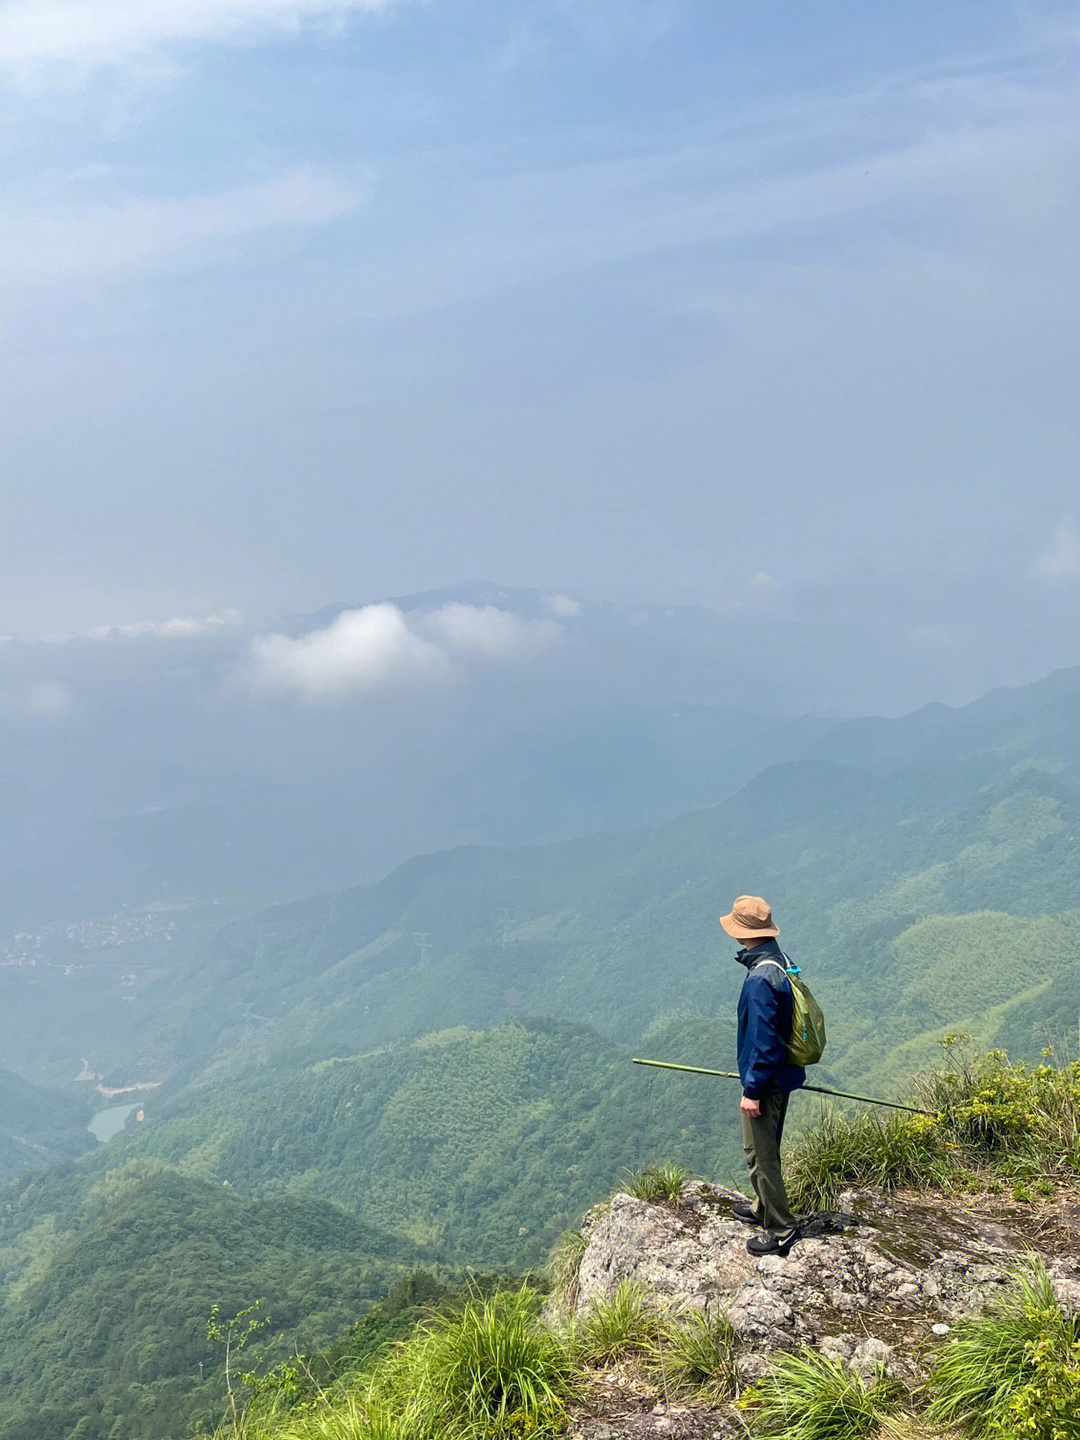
[867,1285]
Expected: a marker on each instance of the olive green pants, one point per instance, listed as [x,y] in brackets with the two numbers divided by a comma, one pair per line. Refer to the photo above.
[761,1145]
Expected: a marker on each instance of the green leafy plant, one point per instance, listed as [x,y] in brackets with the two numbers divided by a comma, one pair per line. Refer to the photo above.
[1014,1372]
[234,1336]
[623,1325]
[1003,1111]
[810,1397]
[662,1181]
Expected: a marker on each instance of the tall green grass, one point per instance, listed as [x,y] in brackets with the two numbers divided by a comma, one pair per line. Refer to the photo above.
[868,1149]
[697,1357]
[990,1120]
[810,1397]
[489,1369]
[1014,1372]
[564,1263]
[624,1325]
[356,1416]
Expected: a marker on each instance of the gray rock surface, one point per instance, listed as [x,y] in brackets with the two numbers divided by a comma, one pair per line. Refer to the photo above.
[864,1286]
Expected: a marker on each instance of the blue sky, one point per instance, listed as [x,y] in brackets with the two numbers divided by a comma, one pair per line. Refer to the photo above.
[307,301]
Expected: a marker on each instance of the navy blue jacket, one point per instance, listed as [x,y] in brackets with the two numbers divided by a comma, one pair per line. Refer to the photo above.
[765,1005]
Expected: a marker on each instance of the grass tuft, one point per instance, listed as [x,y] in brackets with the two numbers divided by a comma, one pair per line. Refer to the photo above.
[624,1325]
[810,1397]
[489,1369]
[662,1181]
[356,1417]
[1016,1370]
[889,1151]
[699,1356]
[564,1262]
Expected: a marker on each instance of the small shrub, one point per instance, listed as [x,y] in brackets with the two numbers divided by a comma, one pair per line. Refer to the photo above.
[810,1397]
[1016,1370]
[658,1182]
[870,1149]
[699,1355]
[999,1110]
[620,1326]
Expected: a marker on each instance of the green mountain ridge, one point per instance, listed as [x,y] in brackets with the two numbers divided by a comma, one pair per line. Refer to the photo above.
[446,1054]
[104,1319]
[38,1127]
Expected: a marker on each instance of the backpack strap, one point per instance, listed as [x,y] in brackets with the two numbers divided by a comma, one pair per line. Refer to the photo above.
[787,970]
[792,968]
[770,961]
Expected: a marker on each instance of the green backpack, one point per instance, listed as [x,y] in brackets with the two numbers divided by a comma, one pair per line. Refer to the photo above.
[807,1038]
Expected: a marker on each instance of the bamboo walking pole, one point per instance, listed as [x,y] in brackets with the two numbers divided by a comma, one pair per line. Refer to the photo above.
[817,1089]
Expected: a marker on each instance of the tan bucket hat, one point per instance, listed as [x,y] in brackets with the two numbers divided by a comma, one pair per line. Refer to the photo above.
[750,919]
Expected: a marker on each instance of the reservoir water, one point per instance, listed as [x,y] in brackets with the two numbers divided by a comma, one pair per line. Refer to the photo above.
[109,1122]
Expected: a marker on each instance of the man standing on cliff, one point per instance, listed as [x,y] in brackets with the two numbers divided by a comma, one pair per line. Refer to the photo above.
[768,1076]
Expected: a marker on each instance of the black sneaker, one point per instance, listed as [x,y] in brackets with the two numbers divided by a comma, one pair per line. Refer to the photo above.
[747,1214]
[772,1244]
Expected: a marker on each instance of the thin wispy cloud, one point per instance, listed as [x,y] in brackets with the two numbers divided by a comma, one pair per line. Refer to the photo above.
[945,164]
[176,627]
[69,240]
[88,33]
[45,700]
[563,607]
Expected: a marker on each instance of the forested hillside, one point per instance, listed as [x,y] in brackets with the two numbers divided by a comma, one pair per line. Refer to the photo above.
[38,1127]
[109,1286]
[480,1145]
[446,1055]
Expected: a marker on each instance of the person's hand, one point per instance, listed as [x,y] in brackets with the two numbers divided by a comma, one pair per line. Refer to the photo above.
[750,1107]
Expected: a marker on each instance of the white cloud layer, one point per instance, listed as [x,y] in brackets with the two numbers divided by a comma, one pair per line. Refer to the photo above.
[380,647]
[486,633]
[99,32]
[1060,561]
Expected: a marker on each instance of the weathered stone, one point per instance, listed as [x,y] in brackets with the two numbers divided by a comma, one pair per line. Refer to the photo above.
[869,1354]
[1065,1281]
[910,1261]
[836,1347]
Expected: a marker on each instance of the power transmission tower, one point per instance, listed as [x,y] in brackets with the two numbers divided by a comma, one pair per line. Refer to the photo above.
[423,944]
